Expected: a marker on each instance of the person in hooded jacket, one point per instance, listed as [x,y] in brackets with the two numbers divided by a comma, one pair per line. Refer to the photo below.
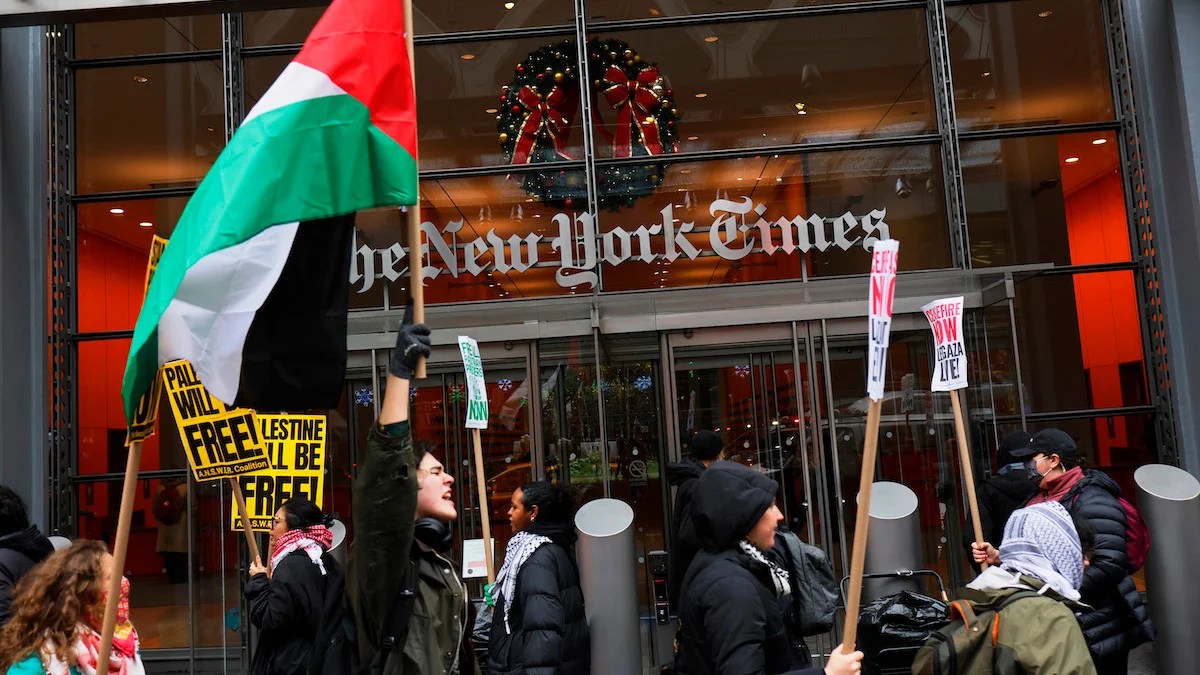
[730,619]
[539,626]
[21,547]
[290,599]
[1001,494]
[1118,619]
[706,448]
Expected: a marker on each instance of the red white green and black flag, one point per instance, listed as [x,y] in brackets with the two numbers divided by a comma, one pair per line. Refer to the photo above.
[252,286]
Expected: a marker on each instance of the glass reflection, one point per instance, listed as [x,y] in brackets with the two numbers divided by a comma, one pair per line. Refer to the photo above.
[616,10]
[571,417]
[147,36]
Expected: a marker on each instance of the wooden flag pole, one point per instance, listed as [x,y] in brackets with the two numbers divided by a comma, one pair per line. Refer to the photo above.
[120,548]
[484,511]
[858,554]
[241,502]
[964,458]
[413,213]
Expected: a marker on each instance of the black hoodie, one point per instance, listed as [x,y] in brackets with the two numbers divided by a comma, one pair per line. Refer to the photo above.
[730,619]
[19,552]
[682,475]
[998,497]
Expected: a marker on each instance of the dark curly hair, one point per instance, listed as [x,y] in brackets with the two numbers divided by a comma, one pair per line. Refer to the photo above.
[13,516]
[555,502]
[52,600]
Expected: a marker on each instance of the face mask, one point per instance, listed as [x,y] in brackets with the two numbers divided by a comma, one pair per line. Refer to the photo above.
[1031,467]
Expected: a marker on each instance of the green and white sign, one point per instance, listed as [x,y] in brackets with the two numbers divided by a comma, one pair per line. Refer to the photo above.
[477,405]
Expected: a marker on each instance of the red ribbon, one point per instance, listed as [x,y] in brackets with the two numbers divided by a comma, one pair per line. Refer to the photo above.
[548,112]
[635,103]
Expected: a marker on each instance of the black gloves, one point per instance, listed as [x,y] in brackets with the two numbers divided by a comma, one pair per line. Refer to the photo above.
[412,343]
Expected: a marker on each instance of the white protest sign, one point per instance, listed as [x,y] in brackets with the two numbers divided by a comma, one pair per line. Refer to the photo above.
[950,361]
[477,405]
[474,564]
[883,289]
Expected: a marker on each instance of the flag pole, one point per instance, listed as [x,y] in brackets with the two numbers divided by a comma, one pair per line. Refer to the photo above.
[241,502]
[413,213]
[120,548]
[858,555]
[484,511]
[964,458]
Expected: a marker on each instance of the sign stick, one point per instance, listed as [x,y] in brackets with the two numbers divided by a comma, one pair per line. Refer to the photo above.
[241,502]
[415,261]
[120,548]
[858,554]
[484,511]
[964,458]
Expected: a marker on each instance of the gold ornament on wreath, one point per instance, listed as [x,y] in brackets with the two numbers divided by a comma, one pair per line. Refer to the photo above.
[541,103]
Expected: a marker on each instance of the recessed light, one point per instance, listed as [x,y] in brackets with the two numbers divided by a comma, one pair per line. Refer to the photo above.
[686,171]
[467,57]
[693,138]
[1071,160]
[116,212]
[509,5]
[711,39]
[740,178]
[492,111]
[987,73]
[1100,141]
[146,223]
[779,179]
[141,79]
[1046,14]
[701,95]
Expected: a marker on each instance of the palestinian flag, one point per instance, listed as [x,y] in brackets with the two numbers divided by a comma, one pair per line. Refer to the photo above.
[252,287]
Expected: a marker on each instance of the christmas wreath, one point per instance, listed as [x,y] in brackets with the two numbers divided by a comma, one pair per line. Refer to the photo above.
[542,99]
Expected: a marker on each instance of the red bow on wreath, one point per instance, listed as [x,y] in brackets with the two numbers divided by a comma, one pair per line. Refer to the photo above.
[544,111]
[635,102]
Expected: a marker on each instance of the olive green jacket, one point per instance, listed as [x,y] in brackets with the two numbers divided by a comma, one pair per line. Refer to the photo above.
[385,503]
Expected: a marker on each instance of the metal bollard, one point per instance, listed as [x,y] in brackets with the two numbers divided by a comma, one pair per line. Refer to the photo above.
[337,550]
[893,540]
[1169,501]
[608,572]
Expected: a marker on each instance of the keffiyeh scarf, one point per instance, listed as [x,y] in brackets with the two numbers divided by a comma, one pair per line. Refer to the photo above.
[314,541]
[124,660]
[779,576]
[1041,541]
[520,547]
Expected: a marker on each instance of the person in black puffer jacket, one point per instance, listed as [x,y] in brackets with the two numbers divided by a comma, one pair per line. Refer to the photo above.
[1118,620]
[705,448]
[730,621]
[539,626]
[290,603]
[21,547]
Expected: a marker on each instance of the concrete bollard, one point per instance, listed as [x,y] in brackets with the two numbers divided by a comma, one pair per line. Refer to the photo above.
[608,571]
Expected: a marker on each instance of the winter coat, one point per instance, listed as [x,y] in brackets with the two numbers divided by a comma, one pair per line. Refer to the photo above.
[731,623]
[287,610]
[683,476]
[19,552]
[998,497]
[549,630]
[1118,620]
[385,504]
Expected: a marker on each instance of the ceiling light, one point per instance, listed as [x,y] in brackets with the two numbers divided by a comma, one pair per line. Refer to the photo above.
[701,95]
[1045,14]
[146,223]
[467,57]
[116,212]
[1100,141]
[711,39]
[800,108]
[492,111]
[141,79]
[740,178]
[1071,160]
[987,73]
[779,180]
[693,138]
[509,5]
[686,171]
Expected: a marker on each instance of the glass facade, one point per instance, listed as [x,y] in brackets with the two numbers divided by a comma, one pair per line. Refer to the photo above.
[773,144]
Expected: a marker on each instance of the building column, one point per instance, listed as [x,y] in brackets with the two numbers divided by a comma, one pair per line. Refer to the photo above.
[24,218]
[1165,59]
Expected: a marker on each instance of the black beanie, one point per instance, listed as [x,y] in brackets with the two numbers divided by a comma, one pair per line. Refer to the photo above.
[706,445]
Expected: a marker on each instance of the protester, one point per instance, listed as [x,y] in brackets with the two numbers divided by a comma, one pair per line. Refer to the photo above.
[706,448]
[410,609]
[58,613]
[730,618]
[1117,620]
[1007,490]
[288,599]
[539,627]
[1042,554]
[21,547]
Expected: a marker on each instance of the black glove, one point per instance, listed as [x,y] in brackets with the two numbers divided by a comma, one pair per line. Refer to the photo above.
[412,343]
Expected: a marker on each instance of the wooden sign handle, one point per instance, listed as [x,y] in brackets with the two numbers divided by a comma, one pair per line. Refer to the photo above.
[413,214]
[858,554]
[484,510]
[241,502]
[964,459]
[120,548]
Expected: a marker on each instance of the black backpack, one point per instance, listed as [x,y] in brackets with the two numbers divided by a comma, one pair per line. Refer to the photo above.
[336,651]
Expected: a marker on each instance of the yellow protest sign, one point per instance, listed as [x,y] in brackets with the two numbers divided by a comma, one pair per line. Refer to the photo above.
[219,442]
[147,409]
[296,448]
[157,246]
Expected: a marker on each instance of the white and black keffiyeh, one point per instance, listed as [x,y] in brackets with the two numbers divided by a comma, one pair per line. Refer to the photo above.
[779,576]
[1041,541]
[520,547]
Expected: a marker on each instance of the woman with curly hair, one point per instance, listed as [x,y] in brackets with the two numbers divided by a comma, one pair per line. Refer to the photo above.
[58,611]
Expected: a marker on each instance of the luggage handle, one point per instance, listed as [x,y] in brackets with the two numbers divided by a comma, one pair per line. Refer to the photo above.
[898,574]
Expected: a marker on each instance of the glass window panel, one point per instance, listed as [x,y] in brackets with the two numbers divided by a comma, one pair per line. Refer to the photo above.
[147,126]
[752,84]
[617,10]
[1118,445]
[893,192]
[279,26]
[147,36]
[1017,63]
[1095,359]
[571,417]
[1055,199]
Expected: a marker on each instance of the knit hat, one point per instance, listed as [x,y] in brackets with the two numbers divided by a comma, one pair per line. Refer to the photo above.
[706,445]
[1041,541]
